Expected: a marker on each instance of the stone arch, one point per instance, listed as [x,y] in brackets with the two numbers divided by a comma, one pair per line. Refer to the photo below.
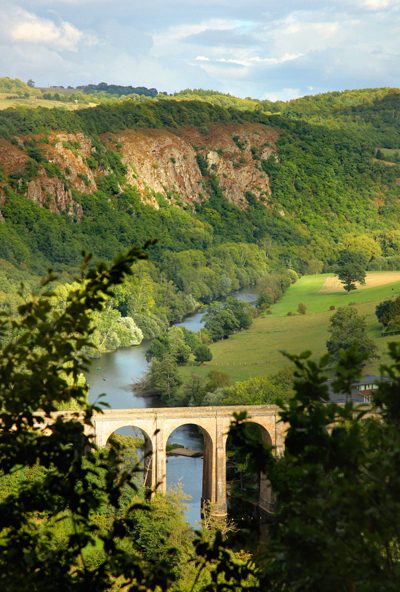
[267,498]
[208,481]
[173,424]
[148,448]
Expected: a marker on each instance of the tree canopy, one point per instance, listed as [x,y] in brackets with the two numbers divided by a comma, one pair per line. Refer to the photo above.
[352,265]
[347,328]
[336,483]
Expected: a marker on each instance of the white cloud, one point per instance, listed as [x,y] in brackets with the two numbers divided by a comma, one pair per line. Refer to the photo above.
[237,62]
[287,94]
[285,58]
[44,31]
[376,4]
[18,26]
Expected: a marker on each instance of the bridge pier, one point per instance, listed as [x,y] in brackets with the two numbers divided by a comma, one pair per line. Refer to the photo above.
[148,463]
[220,474]
[160,461]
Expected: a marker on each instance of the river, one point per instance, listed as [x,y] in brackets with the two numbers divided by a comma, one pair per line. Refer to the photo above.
[113,374]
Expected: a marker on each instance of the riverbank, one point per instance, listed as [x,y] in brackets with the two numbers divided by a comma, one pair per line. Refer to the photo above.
[185,452]
[114,372]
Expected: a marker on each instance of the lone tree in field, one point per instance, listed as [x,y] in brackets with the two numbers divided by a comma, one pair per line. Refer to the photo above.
[202,353]
[348,327]
[352,266]
[302,308]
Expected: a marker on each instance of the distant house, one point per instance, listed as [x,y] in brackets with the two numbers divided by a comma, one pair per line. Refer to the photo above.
[361,391]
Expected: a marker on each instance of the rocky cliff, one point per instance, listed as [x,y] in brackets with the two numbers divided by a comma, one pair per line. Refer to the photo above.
[161,161]
[166,161]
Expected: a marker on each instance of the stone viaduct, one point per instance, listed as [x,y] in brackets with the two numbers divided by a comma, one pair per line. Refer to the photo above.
[158,424]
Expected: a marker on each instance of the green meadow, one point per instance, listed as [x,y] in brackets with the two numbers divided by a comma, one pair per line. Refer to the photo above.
[307,290]
[256,352]
[5,103]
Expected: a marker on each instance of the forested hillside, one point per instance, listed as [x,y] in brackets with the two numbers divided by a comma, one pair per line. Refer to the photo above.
[230,195]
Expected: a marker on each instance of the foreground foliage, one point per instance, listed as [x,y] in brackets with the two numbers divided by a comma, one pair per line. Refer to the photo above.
[337,480]
[71,516]
[337,484]
[33,379]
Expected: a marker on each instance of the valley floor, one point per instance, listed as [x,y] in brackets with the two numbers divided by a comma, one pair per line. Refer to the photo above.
[256,352]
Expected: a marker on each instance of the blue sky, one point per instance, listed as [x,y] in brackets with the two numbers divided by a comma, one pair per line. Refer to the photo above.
[263,49]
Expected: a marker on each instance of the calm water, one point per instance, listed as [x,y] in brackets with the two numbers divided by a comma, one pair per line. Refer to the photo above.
[113,374]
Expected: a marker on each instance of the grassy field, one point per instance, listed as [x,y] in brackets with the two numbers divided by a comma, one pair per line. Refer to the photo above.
[308,289]
[255,352]
[6,103]
[372,280]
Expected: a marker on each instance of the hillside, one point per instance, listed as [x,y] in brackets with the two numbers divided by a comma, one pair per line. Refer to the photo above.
[294,188]
[230,196]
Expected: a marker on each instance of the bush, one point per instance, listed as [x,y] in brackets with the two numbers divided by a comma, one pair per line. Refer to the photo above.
[292,275]
[301,309]
[204,130]
[332,307]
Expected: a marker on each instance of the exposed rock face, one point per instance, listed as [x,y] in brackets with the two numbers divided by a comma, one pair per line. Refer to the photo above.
[158,161]
[11,157]
[72,164]
[161,161]
[55,194]
[165,161]
[52,191]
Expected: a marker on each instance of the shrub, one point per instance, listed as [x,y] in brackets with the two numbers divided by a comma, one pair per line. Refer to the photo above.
[292,275]
[301,309]
[204,130]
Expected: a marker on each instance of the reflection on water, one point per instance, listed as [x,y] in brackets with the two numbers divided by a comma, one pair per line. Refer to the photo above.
[113,374]
[188,470]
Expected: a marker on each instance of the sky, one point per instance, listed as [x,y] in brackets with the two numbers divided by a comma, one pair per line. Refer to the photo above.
[249,48]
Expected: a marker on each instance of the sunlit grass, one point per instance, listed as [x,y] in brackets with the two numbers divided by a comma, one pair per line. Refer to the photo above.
[256,352]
